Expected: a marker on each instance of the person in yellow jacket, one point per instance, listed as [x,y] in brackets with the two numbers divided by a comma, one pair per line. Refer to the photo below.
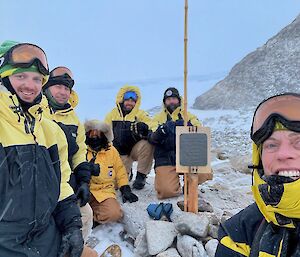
[130,126]
[62,100]
[39,213]
[113,173]
[270,226]
[163,125]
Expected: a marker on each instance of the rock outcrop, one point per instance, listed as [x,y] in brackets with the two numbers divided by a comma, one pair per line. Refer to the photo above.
[271,69]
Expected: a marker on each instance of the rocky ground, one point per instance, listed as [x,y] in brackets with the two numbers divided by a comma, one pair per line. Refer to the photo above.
[226,194]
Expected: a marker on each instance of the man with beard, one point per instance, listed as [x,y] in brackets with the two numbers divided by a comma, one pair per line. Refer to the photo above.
[163,138]
[130,127]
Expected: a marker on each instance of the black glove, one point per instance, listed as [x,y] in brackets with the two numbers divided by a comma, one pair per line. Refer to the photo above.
[71,244]
[140,129]
[143,129]
[127,195]
[83,194]
[82,173]
[170,126]
[159,136]
[94,168]
[68,220]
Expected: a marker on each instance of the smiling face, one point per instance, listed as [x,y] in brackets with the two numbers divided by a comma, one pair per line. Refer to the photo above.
[27,85]
[281,154]
[129,104]
[60,93]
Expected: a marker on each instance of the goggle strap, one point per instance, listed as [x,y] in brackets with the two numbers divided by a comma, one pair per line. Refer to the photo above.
[59,80]
[268,127]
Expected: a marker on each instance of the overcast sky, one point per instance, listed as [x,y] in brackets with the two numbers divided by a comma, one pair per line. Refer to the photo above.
[119,40]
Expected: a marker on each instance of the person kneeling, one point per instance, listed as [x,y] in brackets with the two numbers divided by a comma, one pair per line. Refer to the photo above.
[113,174]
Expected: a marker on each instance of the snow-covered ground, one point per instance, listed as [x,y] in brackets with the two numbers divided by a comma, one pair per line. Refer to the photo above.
[229,190]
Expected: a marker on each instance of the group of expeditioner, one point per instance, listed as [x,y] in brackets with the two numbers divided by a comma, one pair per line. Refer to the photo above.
[59,177]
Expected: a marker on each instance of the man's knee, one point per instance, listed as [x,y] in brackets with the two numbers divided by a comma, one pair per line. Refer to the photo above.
[167,182]
[108,211]
[86,213]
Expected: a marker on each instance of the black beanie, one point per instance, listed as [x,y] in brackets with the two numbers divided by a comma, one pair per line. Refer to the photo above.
[171,92]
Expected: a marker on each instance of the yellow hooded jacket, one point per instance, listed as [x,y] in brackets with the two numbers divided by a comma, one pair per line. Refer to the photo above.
[34,176]
[112,173]
[164,115]
[124,139]
[69,118]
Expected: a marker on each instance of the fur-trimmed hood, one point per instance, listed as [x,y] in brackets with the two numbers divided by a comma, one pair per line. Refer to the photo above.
[101,126]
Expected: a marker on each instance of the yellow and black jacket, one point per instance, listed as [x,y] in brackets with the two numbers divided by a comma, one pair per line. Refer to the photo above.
[36,201]
[237,234]
[249,234]
[164,115]
[70,120]
[124,138]
[270,227]
[74,131]
[113,173]
[165,148]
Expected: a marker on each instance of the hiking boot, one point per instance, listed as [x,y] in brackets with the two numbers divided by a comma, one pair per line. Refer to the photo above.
[140,181]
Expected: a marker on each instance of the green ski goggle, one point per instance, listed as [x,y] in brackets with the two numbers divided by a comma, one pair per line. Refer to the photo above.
[25,55]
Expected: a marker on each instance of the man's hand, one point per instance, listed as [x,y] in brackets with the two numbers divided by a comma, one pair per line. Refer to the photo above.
[83,194]
[140,128]
[127,195]
[71,243]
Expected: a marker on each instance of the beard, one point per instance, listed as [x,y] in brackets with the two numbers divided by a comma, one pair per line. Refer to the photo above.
[172,107]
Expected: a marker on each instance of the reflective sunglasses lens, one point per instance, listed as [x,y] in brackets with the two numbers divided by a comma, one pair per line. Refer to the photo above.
[27,53]
[130,94]
[287,106]
[60,71]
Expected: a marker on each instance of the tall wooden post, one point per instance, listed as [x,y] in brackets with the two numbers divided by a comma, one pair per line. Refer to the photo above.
[185,96]
[190,179]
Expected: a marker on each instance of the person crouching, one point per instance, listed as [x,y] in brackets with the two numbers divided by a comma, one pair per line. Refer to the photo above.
[113,174]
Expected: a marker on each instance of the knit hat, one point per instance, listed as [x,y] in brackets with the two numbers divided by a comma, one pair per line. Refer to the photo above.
[171,92]
[60,75]
[7,69]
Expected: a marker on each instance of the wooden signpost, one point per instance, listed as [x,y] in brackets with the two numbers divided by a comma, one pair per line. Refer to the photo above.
[192,145]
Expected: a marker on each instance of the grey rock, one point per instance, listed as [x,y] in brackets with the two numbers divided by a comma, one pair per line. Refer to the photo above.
[189,246]
[192,224]
[203,206]
[226,216]
[213,230]
[213,219]
[171,252]
[140,244]
[160,236]
[222,156]
[211,247]
[240,163]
